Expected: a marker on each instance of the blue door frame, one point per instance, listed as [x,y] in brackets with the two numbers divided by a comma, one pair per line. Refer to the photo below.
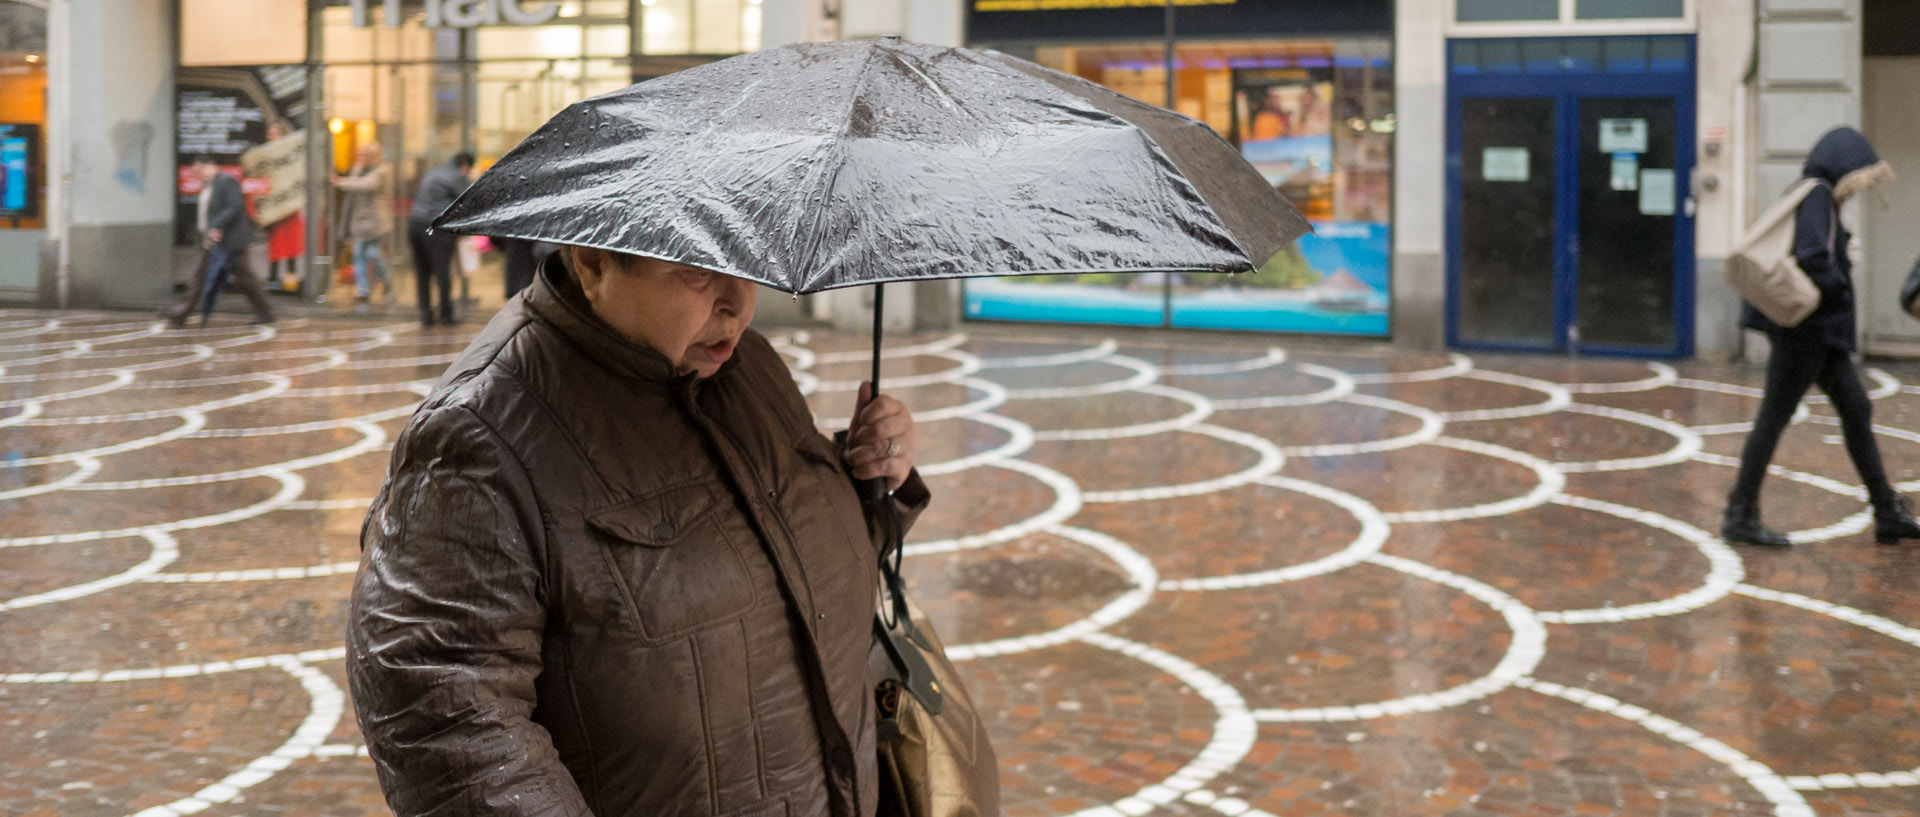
[1567,89]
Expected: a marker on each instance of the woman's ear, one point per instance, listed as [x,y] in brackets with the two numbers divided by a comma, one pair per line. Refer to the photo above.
[591,267]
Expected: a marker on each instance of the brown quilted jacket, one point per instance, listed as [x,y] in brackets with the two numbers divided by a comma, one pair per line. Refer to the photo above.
[593,587]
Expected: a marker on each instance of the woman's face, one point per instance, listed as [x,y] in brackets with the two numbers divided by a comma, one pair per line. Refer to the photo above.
[692,316]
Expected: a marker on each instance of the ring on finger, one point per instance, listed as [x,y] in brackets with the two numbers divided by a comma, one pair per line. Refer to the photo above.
[893,448]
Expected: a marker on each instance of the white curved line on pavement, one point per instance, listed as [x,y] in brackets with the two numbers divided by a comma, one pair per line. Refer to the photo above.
[1020,440]
[1725,569]
[1373,534]
[945,344]
[1341,386]
[326,703]
[967,366]
[1095,352]
[1198,410]
[1270,463]
[1663,376]
[190,422]
[1786,801]
[162,553]
[1524,653]
[290,486]
[83,470]
[1067,503]
[1457,365]
[1558,397]
[1141,578]
[1274,357]
[1234,730]
[1143,374]
[256,574]
[1686,442]
[121,377]
[1430,428]
[1550,482]
[372,438]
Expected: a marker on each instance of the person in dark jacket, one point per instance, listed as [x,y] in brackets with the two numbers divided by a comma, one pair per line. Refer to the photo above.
[615,569]
[1819,350]
[433,253]
[226,232]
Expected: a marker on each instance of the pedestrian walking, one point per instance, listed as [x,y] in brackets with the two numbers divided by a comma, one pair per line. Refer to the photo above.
[433,253]
[226,232]
[616,570]
[364,209]
[1818,350]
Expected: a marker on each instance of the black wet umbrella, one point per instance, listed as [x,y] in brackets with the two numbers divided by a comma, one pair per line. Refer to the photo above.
[823,165]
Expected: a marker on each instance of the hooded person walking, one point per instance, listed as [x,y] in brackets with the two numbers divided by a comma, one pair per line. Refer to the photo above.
[1819,349]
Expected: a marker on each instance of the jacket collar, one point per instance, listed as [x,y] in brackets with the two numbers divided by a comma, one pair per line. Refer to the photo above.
[555,298]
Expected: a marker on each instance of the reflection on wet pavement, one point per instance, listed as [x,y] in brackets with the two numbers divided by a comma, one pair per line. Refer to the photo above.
[1183,576]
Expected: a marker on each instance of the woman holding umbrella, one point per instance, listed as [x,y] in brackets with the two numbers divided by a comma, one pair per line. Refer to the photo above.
[616,570]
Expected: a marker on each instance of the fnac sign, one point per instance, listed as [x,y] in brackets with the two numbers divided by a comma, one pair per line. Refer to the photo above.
[461,13]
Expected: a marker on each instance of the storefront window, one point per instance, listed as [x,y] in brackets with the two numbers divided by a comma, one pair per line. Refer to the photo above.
[23,121]
[699,26]
[1316,118]
[243,32]
[1629,9]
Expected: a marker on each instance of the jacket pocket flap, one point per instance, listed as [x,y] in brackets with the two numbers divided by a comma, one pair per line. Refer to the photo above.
[659,519]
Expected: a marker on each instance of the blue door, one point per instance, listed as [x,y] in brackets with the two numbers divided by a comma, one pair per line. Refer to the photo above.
[1569,212]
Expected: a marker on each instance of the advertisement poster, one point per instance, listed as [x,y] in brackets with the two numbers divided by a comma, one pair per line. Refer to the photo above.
[1334,281]
[19,171]
[1283,122]
[227,113]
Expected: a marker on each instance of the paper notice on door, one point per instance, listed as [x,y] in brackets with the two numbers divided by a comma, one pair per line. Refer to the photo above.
[1504,164]
[1656,192]
[1626,171]
[1623,136]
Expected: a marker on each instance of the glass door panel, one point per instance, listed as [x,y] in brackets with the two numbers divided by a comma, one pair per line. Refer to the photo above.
[1506,268]
[1630,200]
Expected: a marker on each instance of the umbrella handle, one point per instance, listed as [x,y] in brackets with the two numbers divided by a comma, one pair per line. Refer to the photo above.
[875,490]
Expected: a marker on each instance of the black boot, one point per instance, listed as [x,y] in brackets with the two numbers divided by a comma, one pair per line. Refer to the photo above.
[1741,523]
[1892,523]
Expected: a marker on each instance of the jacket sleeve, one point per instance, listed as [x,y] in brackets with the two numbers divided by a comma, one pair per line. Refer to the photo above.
[444,630]
[445,188]
[228,206]
[1813,235]
[362,183]
[910,498]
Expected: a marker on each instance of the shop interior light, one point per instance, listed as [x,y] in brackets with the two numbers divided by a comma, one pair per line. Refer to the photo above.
[1384,124]
[1357,124]
[33,58]
[337,126]
[753,2]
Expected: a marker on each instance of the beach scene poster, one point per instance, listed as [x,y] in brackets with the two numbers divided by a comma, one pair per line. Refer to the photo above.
[1334,281]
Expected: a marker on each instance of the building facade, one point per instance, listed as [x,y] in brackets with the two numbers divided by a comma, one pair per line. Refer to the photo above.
[1558,176]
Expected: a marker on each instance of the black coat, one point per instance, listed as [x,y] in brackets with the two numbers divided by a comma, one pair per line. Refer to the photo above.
[227,212]
[1820,240]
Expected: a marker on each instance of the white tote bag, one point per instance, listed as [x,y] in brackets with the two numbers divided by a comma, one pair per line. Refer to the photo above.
[1763,269]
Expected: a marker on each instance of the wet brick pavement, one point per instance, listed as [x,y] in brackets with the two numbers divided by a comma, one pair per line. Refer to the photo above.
[1185,576]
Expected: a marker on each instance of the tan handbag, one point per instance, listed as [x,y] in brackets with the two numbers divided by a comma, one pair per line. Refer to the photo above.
[1763,269]
[935,759]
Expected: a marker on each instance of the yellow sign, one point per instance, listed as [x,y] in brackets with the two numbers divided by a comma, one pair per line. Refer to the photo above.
[1064,5]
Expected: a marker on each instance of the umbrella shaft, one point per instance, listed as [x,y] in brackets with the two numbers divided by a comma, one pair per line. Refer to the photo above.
[879,308]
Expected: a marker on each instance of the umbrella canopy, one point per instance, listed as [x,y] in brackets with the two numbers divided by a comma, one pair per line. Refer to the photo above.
[822,165]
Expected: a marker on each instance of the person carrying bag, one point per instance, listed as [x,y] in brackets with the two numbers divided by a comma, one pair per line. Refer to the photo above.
[1813,345]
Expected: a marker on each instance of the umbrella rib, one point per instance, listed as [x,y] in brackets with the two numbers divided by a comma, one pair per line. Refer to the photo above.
[837,160]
